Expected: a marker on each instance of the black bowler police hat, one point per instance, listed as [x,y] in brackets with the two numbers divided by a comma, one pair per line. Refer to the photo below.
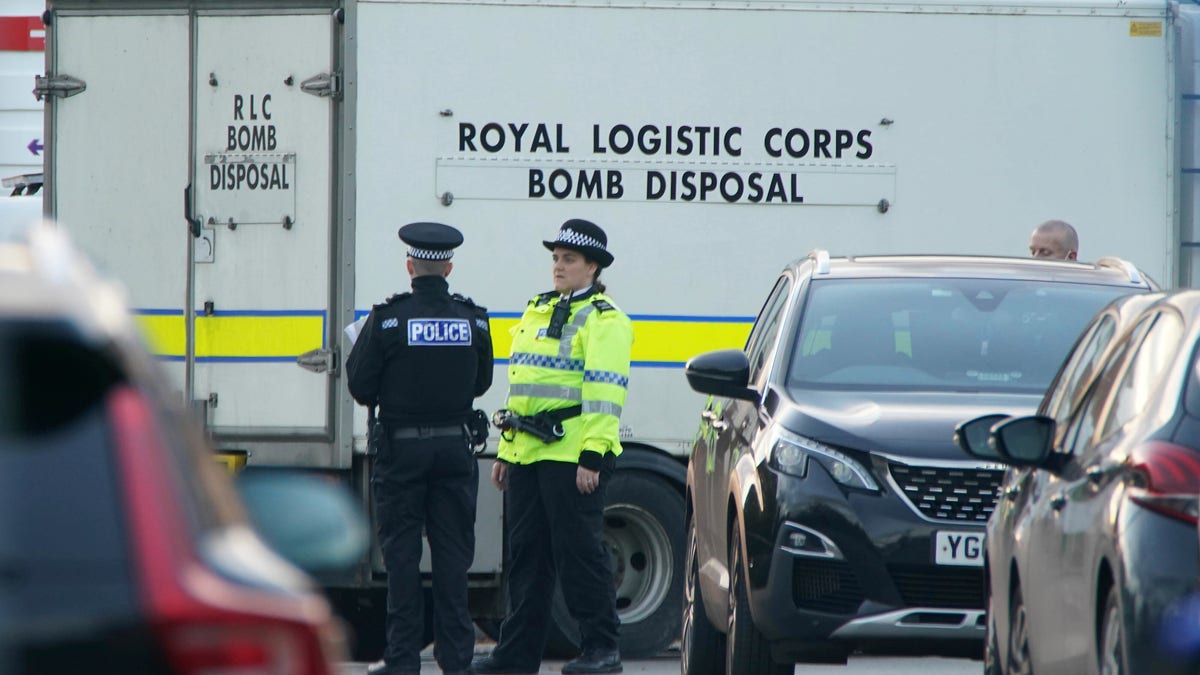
[430,241]
[585,237]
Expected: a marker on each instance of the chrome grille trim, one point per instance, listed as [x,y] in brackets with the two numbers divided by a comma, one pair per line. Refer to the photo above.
[946,491]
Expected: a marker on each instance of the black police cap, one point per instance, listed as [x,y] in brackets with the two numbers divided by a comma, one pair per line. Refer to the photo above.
[430,241]
[585,237]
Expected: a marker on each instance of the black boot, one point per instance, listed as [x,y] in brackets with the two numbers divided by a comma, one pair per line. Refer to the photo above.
[488,665]
[595,661]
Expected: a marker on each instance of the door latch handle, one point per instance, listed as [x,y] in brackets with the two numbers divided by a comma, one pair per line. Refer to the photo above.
[1058,501]
[1095,474]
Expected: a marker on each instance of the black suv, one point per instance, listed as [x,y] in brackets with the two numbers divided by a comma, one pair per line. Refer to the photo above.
[828,505]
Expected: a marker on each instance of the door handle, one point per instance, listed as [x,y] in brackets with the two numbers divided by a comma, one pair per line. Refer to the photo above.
[1010,492]
[1095,474]
[714,419]
[1058,501]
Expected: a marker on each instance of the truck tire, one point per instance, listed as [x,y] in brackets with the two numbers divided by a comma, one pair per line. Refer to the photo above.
[643,531]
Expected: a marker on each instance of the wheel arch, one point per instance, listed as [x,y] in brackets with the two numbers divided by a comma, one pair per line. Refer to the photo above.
[641,457]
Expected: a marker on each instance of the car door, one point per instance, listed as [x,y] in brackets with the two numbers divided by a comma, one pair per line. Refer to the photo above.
[1055,594]
[718,443]
[1085,513]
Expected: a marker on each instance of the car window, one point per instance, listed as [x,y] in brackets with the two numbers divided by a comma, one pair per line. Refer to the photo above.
[1143,376]
[1077,438]
[940,334]
[1080,366]
[61,504]
[762,337]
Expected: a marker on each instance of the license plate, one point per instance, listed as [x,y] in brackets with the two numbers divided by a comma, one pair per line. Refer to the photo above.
[958,548]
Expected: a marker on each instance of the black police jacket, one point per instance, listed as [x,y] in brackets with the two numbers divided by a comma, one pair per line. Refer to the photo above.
[422,357]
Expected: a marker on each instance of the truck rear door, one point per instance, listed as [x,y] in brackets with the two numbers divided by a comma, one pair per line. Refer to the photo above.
[192,156]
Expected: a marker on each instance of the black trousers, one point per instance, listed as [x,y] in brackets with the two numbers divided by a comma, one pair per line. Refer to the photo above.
[553,530]
[428,484]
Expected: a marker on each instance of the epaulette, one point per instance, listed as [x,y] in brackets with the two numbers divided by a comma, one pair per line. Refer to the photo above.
[542,298]
[395,298]
[602,305]
[467,301]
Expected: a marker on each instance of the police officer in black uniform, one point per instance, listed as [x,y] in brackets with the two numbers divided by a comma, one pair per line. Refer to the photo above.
[423,357]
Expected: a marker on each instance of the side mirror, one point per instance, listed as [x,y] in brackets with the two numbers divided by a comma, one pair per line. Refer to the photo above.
[721,373]
[314,524]
[972,436]
[1024,441]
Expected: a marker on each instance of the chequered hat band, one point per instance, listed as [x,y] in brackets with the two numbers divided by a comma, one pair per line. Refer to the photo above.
[569,236]
[430,254]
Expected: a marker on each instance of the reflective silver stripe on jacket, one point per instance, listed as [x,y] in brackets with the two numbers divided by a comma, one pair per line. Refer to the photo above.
[569,330]
[603,407]
[554,391]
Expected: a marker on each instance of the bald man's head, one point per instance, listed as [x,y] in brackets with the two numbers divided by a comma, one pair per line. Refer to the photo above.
[1054,239]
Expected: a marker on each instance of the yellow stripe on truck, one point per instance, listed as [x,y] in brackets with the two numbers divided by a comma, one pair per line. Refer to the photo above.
[661,341]
[658,341]
[235,336]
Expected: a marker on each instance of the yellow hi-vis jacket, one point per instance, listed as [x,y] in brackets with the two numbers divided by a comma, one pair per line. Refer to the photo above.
[588,366]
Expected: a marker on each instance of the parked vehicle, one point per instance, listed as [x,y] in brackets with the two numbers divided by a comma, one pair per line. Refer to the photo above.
[828,507]
[125,548]
[250,198]
[1092,550]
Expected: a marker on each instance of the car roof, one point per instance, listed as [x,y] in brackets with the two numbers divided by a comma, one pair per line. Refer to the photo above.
[1106,271]
[47,279]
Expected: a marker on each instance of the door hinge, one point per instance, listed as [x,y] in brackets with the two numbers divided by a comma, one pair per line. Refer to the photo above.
[61,86]
[319,361]
[325,84]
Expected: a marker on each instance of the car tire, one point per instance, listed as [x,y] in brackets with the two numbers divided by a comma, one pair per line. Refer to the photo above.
[1110,638]
[701,645]
[1019,662]
[991,646]
[747,652]
[643,531]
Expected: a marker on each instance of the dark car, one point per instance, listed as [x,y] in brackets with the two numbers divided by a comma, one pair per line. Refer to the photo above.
[1092,552]
[124,547]
[828,506]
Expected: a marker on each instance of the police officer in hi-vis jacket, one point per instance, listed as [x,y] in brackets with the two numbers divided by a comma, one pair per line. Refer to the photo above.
[560,435]
[423,357]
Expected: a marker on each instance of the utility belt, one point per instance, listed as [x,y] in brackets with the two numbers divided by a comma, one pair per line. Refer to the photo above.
[475,430]
[545,426]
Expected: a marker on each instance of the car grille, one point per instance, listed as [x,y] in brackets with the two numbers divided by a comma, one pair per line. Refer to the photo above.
[958,494]
[825,586]
[950,588]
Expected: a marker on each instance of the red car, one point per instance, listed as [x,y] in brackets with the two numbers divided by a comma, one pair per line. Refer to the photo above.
[124,547]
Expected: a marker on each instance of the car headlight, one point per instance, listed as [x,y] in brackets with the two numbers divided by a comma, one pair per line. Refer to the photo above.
[790,454]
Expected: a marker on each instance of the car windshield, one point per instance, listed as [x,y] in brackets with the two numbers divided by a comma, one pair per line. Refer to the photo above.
[939,334]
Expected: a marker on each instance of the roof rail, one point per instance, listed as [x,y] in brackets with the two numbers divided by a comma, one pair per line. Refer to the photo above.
[1125,266]
[821,257]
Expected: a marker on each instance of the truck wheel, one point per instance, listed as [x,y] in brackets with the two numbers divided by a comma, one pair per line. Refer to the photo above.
[643,531]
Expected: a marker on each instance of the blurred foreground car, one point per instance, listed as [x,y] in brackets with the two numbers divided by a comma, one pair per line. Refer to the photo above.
[123,546]
[1093,548]
[828,507]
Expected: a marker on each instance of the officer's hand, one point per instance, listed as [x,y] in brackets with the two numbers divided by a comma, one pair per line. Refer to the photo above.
[500,474]
[586,480]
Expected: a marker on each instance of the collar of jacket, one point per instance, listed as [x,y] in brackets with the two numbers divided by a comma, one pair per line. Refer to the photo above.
[430,283]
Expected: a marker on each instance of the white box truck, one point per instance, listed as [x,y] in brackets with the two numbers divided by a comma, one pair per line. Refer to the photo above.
[244,166]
